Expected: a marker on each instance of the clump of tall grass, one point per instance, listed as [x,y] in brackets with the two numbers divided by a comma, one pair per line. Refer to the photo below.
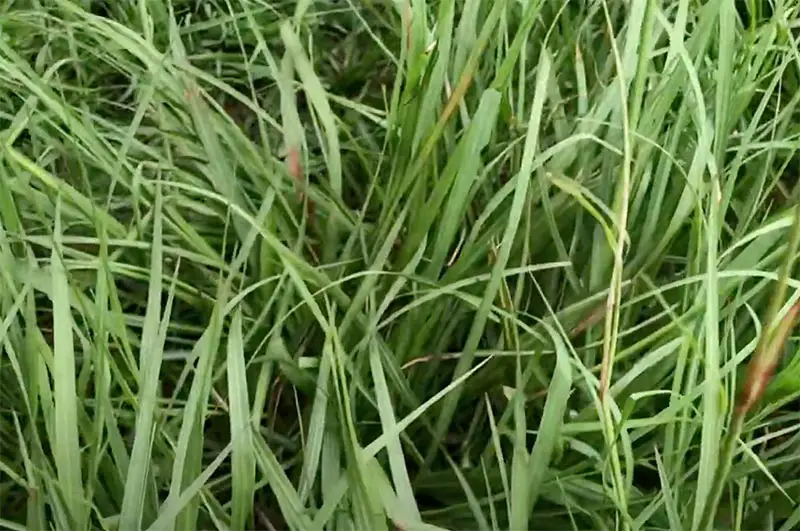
[398,265]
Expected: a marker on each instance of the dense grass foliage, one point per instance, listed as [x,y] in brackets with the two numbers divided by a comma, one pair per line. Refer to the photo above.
[372,264]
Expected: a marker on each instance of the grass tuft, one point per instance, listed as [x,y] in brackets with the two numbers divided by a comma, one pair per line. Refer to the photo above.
[399,265]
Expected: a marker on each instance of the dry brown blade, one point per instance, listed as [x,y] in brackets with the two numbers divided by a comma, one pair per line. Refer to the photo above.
[294,165]
[430,357]
[295,168]
[590,320]
[594,317]
[762,366]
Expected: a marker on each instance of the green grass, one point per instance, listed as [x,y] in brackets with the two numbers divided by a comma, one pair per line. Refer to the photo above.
[399,265]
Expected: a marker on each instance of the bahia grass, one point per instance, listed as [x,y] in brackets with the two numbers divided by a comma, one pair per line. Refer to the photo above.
[399,265]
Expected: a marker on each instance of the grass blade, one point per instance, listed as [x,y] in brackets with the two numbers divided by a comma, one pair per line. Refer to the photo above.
[134,513]
[243,458]
[67,444]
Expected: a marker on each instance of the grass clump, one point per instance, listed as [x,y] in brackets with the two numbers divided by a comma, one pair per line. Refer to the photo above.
[398,265]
